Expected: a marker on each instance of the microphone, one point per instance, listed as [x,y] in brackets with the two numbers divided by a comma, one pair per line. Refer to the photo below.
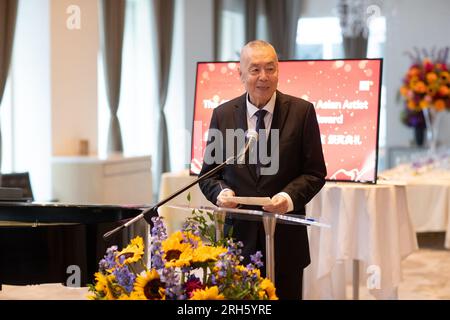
[252,138]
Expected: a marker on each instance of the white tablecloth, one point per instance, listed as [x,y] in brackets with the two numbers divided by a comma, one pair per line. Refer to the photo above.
[428,197]
[171,182]
[368,222]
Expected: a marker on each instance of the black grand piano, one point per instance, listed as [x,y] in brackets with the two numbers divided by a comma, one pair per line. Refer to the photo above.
[40,241]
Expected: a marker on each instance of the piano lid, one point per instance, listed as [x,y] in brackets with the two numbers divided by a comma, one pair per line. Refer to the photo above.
[66,213]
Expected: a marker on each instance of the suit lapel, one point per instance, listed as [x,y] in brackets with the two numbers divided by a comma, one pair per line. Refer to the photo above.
[240,122]
[240,114]
[279,115]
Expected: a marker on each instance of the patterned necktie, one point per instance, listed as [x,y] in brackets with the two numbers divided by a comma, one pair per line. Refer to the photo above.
[262,140]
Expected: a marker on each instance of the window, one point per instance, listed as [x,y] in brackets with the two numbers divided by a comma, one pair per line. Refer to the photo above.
[233,35]
[25,111]
[321,38]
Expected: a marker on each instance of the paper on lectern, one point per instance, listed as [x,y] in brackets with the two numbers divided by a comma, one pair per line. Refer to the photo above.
[251,201]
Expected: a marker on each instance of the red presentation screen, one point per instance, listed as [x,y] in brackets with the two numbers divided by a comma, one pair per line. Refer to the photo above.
[346,97]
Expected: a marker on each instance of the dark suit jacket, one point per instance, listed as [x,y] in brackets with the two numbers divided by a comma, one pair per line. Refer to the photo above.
[301,172]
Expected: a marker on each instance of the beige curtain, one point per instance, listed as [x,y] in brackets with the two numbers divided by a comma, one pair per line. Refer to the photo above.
[8,16]
[282,20]
[353,19]
[112,42]
[164,17]
[218,7]
[251,16]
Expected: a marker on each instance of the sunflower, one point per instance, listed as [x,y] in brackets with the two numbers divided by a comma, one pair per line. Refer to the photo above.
[243,271]
[127,297]
[133,296]
[176,252]
[148,286]
[132,253]
[267,289]
[211,293]
[188,236]
[138,242]
[185,237]
[207,254]
[104,285]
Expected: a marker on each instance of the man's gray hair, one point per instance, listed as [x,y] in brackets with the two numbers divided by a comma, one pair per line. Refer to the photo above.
[257,44]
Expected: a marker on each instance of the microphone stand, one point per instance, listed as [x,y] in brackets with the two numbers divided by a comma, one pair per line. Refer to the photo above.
[153,211]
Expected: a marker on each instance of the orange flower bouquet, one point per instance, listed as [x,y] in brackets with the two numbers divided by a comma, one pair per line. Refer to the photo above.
[427,82]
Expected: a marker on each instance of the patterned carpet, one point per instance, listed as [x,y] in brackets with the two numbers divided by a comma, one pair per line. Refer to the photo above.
[426,275]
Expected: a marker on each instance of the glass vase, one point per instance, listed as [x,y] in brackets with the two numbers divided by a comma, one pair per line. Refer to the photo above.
[432,121]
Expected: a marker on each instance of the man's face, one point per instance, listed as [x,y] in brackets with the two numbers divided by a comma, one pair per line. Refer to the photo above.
[259,73]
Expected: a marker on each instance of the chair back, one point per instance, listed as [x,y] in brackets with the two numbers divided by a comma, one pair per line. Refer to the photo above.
[18,180]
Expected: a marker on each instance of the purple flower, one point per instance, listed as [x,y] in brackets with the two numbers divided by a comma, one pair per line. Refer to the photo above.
[414,119]
[158,230]
[213,280]
[191,241]
[174,289]
[192,226]
[125,278]
[256,259]
[157,261]
[108,262]
[158,235]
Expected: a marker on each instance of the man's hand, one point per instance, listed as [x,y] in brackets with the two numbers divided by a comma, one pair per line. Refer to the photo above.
[222,200]
[279,205]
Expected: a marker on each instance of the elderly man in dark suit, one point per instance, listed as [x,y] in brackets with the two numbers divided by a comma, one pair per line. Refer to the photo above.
[300,170]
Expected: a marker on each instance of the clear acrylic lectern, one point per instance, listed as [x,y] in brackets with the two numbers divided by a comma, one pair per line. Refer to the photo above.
[269,220]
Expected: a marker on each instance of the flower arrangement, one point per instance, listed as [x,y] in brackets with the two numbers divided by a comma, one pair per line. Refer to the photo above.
[188,264]
[426,85]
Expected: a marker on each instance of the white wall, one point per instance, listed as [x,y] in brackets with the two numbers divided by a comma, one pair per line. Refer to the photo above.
[74,77]
[411,23]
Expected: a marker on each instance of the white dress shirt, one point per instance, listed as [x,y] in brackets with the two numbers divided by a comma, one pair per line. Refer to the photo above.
[251,124]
